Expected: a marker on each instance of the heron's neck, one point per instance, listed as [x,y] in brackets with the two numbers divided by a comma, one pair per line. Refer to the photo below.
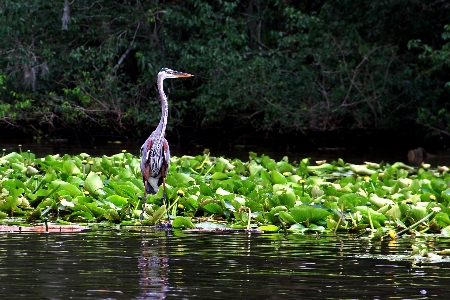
[164,108]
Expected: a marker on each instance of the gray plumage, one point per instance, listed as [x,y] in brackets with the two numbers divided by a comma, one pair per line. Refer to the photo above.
[155,160]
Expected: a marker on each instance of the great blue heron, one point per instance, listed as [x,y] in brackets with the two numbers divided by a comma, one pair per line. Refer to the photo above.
[155,152]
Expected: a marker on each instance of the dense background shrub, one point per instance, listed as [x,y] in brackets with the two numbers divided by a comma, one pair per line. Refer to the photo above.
[89,67]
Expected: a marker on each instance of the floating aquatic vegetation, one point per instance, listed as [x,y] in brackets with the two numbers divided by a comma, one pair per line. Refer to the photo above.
[211,192]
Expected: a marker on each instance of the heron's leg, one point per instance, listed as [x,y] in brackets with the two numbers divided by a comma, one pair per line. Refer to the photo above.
[166,202]
[141,217]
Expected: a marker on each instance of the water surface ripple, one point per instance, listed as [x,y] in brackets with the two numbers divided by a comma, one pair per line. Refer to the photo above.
[181,265]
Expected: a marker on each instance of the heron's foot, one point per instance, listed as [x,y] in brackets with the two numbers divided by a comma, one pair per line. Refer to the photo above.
[165,226]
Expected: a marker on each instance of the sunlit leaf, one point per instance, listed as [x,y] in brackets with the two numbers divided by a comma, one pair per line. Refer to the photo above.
[213,208]
[10,184]
[117,200]
[446,194]
[182,222]
[418,213]
[219,176]
[70,189]
[69,167]
[183,179]
[362,170]
[93,184]
[222,192]
[13,156]
[11,202]
[254,168]
[278,178]
[297,228]
[31,171]
[18,167]
[285,216]
[380,202]
[287,199]
[269,228]
[312,214]
[205,190]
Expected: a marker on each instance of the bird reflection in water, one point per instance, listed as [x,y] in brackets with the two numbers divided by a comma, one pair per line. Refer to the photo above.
[154,268]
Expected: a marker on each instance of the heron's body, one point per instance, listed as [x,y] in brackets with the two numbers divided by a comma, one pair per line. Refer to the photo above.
[155,161]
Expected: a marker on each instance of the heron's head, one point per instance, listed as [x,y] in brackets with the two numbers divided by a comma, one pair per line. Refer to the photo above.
[168,73]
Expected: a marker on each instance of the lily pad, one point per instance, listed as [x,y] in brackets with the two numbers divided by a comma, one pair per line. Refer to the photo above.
[93,184]
[269,228]
[182,222]
[213,208]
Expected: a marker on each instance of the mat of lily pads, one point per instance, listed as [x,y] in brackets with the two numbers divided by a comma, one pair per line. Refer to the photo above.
[216,193]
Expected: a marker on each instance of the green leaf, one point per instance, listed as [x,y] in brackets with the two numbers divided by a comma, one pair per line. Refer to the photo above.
[254,168]
[205,190]
[267,162]
[285,216]
[19,167]
[94,209]
[93,184]
[362,170]
[11,184]
[112,215]
[3,215]
[11,202]
[213,208]
[278,178]
[284,167]
[442,219]
[418,213]
[13,156]
[312,214]
[117,200]
[446,194]
[287,199]
[394,212]
[182,222]
[314,227]
[270,216]
[219,167]
[61,186]
[320,168]
[183,179]
[380,202]
[269,228]
[219,176]
[69,167]
[297,228]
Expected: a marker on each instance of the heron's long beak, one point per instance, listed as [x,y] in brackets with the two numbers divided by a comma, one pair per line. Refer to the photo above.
[181,74]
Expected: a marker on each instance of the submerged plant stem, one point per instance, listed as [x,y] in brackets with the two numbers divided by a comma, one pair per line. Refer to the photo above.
[370,218]
[249,216]
[415,224]
[340,218]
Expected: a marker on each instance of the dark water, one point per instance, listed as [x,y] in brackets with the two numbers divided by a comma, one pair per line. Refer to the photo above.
[242,152]
[157,265]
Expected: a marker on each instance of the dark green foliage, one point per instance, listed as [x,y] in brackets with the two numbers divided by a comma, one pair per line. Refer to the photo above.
[316,65]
